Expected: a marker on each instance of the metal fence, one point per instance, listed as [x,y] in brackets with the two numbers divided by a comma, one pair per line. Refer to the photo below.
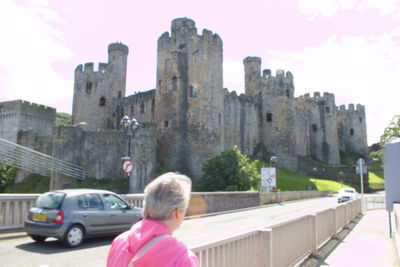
[33,161]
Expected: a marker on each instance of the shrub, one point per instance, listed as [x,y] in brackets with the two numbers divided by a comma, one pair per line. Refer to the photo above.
[229,171]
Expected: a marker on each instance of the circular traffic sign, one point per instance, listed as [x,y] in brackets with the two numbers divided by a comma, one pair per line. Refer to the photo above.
[127,166]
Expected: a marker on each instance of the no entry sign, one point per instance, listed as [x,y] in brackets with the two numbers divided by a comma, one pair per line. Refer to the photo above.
[127,166]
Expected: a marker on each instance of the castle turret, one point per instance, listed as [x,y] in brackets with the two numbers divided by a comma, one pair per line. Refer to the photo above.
[352,129]
[252,75]
[189,98]
[95,91]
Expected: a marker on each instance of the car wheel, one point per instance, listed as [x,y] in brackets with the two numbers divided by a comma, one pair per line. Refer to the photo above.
[74,236]
[38,239]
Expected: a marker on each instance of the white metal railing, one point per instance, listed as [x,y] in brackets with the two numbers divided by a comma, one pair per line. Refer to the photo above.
[280,244]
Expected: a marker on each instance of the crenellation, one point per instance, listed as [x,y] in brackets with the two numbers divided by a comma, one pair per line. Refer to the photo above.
[280,74]
[79,68]
[88,67]
[266,73]
[102,67]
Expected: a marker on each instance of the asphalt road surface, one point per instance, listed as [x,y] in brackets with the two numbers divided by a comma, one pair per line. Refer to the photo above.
[193,232]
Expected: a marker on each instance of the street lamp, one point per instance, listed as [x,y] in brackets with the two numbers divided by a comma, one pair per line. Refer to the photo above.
[272,159]
[129,127]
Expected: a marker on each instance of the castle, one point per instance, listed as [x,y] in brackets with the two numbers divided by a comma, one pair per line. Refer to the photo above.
[190,117]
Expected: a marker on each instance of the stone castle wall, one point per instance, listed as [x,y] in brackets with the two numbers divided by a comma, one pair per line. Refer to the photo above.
[100,152]
[316,127]
[240,122]
[22,115]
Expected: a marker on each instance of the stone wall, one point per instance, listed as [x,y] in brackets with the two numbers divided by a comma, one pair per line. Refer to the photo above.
[240,122]
[316,127]
[100,153]
[22,115]
[340,173]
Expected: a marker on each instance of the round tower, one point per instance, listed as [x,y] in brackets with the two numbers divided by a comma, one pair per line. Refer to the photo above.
[118,61]
[189,96]
[252,75]
[95,91]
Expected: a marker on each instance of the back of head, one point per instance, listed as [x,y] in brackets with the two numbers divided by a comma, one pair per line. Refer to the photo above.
[166,193]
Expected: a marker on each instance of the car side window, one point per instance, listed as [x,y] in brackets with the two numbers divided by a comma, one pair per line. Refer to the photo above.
[114,202]
[90,202]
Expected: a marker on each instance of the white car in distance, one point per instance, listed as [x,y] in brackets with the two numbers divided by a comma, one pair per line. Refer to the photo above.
[346,194]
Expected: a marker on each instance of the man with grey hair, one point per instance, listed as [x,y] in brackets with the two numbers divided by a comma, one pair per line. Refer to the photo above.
[150,242]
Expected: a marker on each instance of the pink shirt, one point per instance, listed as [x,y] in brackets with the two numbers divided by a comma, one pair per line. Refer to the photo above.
[166,252]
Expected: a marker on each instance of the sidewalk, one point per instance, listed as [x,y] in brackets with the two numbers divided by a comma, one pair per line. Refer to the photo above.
[365,243]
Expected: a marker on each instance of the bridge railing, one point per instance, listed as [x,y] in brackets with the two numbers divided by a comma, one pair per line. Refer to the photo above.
[14,209]
[280,244]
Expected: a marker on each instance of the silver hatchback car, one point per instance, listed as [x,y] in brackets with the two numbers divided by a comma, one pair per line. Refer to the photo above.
[73,214]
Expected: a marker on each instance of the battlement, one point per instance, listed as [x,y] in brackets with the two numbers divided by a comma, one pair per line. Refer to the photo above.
[182,23]
[248,60]
[22,106]
[89,67]
[359,108]
[280,74]
[118,47]
[327,97]
[185,30]
[242,98]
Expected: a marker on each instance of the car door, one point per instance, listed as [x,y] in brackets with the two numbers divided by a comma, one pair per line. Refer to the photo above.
[92,213]
[121,216]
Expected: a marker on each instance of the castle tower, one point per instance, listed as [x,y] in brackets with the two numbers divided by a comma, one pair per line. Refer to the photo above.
[252,75]
[316,128]
[189,97]
[352,129]
[94,91]
[277,118]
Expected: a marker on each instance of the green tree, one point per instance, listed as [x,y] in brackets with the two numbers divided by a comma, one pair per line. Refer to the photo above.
[392,131]
[63,119]
[229,171]
[7,176]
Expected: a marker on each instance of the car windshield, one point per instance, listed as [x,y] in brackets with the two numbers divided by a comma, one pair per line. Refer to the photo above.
[349,191]
[50,200]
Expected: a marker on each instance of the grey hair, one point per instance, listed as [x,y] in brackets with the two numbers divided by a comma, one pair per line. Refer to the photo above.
[166,193]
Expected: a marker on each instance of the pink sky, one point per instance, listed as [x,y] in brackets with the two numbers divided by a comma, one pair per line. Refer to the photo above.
[348,47]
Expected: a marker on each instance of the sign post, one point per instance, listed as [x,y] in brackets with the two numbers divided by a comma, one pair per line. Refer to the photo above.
[360,169]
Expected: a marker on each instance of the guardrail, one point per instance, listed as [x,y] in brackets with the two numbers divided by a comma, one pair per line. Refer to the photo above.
[279,244]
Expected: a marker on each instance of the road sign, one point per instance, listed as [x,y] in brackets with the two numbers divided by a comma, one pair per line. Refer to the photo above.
[268,178]
[127,166]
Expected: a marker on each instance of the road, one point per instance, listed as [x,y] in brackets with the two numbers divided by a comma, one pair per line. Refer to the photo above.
[93,252]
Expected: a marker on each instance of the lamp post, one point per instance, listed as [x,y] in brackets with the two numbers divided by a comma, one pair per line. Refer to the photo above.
[272,159]
[129,127]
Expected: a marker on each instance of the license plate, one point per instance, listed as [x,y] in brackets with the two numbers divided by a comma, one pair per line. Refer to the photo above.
[39,217]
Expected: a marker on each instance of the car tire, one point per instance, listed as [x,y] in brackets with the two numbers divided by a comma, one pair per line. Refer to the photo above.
[74,236]
[37,238]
